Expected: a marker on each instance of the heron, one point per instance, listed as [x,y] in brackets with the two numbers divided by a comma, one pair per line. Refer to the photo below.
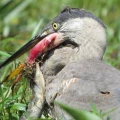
[74,73]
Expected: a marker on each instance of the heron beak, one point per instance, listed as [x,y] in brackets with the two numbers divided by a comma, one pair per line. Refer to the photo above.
[24,49]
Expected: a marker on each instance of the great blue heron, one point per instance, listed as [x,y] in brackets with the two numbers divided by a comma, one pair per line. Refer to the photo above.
[74,71]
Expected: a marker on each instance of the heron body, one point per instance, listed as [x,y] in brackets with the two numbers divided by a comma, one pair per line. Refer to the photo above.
[74,71]
[76,75]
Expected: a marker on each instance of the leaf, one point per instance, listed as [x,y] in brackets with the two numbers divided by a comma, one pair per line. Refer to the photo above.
[4,54]
[106,113]
[79,114]
[37,28]
[16,10]
[15,72]
[94,109]
[19,106]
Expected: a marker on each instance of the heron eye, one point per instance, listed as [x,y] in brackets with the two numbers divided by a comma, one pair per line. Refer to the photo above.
[55,26]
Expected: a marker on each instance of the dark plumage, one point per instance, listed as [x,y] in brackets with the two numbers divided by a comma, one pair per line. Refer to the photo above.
[68,13]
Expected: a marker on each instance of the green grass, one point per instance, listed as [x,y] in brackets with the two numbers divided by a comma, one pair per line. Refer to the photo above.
[12,105]
[78,114]
[18,21]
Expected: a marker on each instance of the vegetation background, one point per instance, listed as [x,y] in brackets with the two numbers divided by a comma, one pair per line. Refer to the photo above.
[20,20]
